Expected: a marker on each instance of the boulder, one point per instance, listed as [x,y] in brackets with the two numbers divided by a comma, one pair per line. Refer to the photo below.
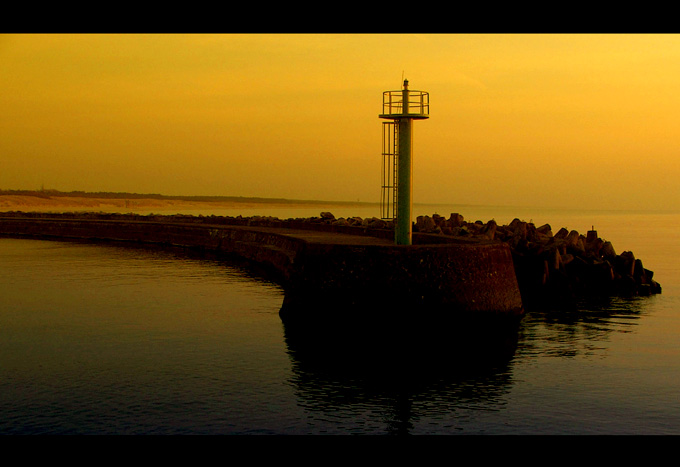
[626,263]
[545,229]
[456,220]
[562,233]
[425,224]
[561,265]
[489,230]
[594,247]
[607,250]
[572,239]
[376,223]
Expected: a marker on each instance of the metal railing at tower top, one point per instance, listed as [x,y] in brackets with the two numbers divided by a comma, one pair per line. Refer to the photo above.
[418,103]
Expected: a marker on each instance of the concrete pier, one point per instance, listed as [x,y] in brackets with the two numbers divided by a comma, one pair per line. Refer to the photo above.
[322,270]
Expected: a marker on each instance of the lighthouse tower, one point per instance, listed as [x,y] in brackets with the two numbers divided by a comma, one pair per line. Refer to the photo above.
[401,108]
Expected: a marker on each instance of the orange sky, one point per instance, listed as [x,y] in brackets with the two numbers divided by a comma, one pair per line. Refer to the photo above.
[546,120]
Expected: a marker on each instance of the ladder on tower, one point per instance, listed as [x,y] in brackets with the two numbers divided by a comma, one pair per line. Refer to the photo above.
[390,151]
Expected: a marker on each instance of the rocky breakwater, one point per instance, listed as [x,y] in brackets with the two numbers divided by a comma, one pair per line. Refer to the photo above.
[559,267]
[556,267]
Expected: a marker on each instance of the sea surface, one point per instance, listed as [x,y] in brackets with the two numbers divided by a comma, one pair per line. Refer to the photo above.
[103,338]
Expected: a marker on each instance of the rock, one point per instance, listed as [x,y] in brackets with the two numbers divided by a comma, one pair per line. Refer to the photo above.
[545,229]
[555,259]
[558,267]
[327,216]
[639,272]
[456,220]
[519,229]
[425,224]
[562,233]
[489,230]
[572,238]
[594,247]
[608,250]
[474,228]
[580,244]
[566,258]
[627,263]
[376,223]
[542,238]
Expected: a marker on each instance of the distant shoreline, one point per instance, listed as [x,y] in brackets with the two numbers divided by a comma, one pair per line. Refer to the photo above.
[34,200]
[49,194]
[54,200]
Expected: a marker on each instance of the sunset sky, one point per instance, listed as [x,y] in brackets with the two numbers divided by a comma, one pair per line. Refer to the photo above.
[518,120]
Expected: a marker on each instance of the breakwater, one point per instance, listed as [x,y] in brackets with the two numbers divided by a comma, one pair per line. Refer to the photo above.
[453,267]
[555,267]
[327,268]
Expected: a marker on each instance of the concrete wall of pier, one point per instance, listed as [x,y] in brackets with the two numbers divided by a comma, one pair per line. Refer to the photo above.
[445,278]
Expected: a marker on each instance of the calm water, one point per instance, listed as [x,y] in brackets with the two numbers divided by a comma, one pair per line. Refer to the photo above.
[108,339]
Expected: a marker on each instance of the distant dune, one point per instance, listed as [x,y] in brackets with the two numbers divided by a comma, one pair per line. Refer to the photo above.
[76,203]
[55,201]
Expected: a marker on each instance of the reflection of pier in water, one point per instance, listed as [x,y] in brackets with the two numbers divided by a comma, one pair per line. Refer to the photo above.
[405,372]
[400,370]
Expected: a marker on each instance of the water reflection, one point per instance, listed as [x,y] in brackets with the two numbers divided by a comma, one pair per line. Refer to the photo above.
[439,372]
[403,370]
[120,340]
[580,330]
